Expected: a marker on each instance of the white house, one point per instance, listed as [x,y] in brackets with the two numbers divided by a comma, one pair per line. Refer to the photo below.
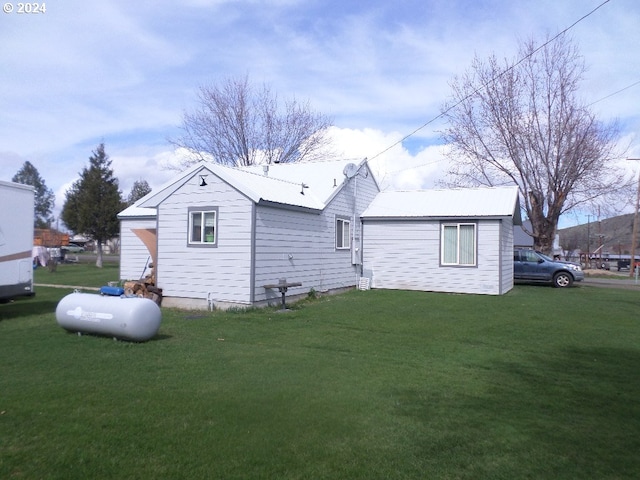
[217,235]
[458,240]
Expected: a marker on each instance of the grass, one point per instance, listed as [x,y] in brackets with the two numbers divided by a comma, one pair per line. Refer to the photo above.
[539,383]
[78,274]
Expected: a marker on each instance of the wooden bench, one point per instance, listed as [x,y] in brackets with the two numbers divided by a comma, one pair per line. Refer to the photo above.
[283,286]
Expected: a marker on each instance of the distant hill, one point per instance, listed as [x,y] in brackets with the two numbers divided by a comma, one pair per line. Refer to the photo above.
[614,233]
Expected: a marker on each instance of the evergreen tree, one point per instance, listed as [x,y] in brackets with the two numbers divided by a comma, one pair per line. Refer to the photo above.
[44,197]
[94,201]
[139,189]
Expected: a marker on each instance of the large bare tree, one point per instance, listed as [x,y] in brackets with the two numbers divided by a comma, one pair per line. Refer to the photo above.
[238,124]
[524,123]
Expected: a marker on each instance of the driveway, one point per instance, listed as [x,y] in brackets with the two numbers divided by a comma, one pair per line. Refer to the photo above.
[616,281]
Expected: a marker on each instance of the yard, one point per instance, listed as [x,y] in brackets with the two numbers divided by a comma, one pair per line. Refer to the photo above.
[539,383]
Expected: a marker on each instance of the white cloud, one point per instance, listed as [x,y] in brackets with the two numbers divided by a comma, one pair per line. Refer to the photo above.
[392,164]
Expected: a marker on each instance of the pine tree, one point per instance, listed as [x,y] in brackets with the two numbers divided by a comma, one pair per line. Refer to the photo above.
[139,189]
[94,201]
[44,197]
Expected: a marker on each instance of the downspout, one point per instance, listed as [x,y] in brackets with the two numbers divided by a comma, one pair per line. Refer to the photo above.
[354,248]
[252,267]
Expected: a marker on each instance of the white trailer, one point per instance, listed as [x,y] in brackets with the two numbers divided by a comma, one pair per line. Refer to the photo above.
[16,240]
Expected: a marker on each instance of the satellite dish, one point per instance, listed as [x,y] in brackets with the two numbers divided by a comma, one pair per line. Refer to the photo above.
[350,170]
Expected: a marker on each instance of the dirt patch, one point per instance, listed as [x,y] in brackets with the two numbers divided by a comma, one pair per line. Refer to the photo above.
[595,272]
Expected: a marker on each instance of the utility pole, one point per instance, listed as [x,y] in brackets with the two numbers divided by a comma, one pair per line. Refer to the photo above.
[587,261]
[634,236]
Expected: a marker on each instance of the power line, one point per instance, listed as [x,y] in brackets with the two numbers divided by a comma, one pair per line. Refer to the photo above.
[616,92]
[413,167]
[394,172]
[553,39]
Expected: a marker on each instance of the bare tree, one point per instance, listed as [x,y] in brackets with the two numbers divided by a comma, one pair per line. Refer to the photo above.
[237,124]
[570,243]
[523,123]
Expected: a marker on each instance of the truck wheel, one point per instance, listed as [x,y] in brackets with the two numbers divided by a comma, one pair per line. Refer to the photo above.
[562,280]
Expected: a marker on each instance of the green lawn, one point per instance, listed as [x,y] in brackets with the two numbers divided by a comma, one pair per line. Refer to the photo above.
[540,383]
[78,274]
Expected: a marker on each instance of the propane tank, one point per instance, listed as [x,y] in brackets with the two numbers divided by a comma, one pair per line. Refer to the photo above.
[126,318]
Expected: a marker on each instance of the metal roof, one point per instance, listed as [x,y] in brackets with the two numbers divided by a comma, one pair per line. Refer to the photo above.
[321,179]
[140,207]
[137,212]
[309,185]
[449,203]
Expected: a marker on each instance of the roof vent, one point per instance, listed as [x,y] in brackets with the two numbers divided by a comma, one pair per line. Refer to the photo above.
[265,170]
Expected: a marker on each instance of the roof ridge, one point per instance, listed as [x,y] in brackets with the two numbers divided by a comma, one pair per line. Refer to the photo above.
[261,175]
[444,189]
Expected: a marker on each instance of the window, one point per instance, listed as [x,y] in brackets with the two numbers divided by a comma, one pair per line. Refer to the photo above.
[343,234]
[525,256]
[458,244]
[203,226]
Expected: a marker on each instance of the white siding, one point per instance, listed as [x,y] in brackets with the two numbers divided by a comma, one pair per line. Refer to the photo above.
[289,245]
[194,274]
[16,239]
[507,255]
[257,244]
[405,254]
[134,255]
[300,246]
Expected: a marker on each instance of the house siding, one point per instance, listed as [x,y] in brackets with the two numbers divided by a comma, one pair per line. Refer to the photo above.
[190,276]
[506,260]
[300,246]
[405,254]
[134,255]
[289,245]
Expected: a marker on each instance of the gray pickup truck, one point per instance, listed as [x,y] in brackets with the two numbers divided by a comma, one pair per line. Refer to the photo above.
[532,266]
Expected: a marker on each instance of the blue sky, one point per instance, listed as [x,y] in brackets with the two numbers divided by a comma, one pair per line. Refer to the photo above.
[124,72]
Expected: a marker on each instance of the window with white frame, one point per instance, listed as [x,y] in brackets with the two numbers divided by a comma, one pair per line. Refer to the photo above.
[203,226]
[343,234]
[458,244]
